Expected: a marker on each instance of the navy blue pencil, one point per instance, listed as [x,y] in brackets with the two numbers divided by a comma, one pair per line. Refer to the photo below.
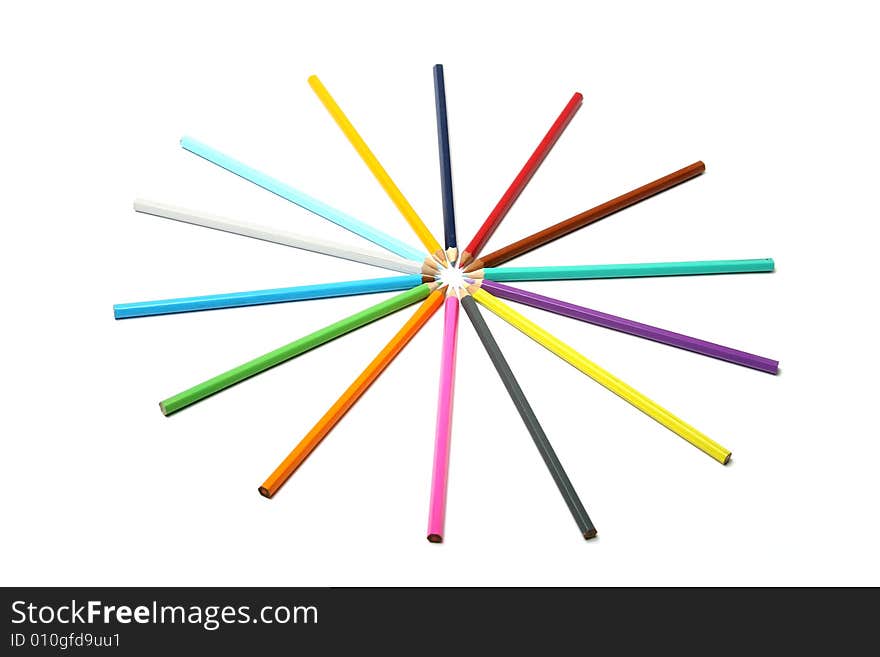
[445,165]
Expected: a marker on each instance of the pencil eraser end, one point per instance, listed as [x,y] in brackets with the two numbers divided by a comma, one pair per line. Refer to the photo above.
[590,533]
[435,538]
[265,492]
[162,408]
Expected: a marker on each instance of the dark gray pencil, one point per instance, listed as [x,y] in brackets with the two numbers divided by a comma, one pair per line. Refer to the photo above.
[528,416]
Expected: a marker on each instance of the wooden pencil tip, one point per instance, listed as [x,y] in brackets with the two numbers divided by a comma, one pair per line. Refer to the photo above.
[451,255]
[473,266]
[435,538]
[465,259]
[477,273]
[590,533]
[428,278]
[265,492]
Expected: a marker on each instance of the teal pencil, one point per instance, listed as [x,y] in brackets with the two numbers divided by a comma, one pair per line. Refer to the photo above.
[687,268]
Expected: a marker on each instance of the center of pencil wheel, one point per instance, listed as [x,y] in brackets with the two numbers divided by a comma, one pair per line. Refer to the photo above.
[452,276]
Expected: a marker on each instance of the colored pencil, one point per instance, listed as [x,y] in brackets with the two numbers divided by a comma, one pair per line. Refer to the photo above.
[295,348]
[633,328]
[376,168]
[445,165]
[443,434]
[285,237]
[587,217]
[522,179]
[303,200]
[548,454]
[351,395]
[601,376]
[631,270]
[260,297]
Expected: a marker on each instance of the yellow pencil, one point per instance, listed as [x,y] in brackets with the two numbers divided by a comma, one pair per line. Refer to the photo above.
[615,385]
[414,220]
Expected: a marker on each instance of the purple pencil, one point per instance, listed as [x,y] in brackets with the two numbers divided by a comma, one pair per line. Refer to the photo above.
[633,328]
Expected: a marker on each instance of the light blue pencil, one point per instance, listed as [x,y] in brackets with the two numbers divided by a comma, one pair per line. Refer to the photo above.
[303,200]
[257,297]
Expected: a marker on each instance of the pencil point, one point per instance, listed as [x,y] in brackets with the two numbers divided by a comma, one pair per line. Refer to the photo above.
[473,266]
[451,255]
[435,538]
[465,259]
[478,273]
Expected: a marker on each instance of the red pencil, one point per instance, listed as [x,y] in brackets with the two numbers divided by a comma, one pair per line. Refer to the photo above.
[522,179]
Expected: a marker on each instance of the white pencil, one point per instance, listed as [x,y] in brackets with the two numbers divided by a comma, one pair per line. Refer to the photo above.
[269,234]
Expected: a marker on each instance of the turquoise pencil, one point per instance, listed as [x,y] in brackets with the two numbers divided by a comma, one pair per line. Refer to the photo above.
[687,268]
[303,200]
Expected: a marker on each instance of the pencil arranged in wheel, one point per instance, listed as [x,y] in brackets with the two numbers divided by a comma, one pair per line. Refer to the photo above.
[530,168]
[443,433]
[378,171]
[445,165]
[587,217]
[548,454]
[307,343]
[303,200]
[638,329]
[601,376]
[261,297]
[351,395]
[278,236]
[631,270]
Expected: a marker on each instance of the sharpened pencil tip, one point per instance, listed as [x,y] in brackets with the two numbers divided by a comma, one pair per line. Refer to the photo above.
[435,538]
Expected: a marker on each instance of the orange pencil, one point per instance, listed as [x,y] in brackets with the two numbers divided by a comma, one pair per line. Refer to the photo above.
[354,392]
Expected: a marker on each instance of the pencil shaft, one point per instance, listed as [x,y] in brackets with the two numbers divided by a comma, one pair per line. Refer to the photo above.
[633,328]
[259,297]
[270,234]
[443,434]
[525,175]
[578,221]
[445,159]
[303,200]
[601,376]
[374,166]
[548,454]
[351,395]
[293,349]
[687,268]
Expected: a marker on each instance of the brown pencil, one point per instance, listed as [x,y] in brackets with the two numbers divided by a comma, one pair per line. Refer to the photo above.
[563,228]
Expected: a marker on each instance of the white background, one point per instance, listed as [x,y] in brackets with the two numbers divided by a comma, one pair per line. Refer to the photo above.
[779,99]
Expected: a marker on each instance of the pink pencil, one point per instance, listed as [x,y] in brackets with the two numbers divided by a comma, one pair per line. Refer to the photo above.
[437,512]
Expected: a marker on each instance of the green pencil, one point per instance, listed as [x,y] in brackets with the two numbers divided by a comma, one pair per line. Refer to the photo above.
[262,363]
[687,268]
